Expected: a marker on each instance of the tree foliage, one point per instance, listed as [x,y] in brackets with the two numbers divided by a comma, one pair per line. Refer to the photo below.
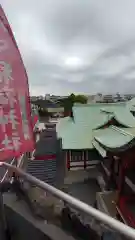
[72,98]
[80,99]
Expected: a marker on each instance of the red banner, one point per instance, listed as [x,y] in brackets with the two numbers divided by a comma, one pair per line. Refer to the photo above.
[35,117]
[35,120]
[16,134]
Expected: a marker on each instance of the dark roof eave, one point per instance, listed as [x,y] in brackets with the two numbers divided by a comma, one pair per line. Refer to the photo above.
[103,125]
[120,149]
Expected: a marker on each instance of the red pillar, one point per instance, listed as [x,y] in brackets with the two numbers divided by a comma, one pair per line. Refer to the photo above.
[68,159]
[84,159]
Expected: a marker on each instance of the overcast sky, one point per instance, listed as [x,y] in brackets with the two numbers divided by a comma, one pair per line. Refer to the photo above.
[78,46]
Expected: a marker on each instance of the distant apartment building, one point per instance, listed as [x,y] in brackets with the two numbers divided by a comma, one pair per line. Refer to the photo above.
[90,98]
[54,98]
[47,97]
[129,96]
[98,98]
[35,98]
[118,98]
[94,98]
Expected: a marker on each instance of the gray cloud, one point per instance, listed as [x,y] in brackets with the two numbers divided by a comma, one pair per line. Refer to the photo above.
[75,46]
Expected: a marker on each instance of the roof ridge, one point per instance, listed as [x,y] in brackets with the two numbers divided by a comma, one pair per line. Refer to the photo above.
[104,104]
[122,131]
[106,111]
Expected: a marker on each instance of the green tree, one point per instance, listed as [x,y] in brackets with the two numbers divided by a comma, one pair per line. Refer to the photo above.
[80,99]
[72,98]
[68,104]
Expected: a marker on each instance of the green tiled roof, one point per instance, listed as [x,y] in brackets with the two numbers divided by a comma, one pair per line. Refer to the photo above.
[79,133]
[125,117]
[92,115]
[131,104]
[62,125]
[100,149]
[78,140]
[130,131]
[75,137]
[114,138]
[132,108]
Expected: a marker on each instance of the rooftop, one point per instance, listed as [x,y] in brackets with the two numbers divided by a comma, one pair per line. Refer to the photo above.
[115,139]
[78,132]
[131,104]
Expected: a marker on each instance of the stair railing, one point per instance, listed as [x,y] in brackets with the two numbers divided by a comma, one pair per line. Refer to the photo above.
[6,173]
[77,204]
[20,160]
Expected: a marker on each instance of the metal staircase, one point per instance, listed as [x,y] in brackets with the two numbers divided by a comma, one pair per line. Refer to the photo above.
[45,170]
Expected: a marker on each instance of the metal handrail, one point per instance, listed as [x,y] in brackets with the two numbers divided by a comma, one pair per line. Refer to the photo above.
[6,173]
[105,219]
